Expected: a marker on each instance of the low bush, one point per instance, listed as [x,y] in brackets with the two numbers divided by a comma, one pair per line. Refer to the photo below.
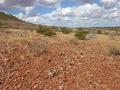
[115,51]
[1,23]
[81,35]
[99,31]
[66,30]
[46,31]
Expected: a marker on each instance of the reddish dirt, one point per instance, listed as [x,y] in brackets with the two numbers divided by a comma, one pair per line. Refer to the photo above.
[43,63]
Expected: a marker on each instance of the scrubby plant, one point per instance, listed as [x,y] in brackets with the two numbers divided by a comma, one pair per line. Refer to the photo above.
[65,30]
[99,31]
[1,23]
[37,47]
[115,51]
[81,28]
[46,31]
[49,33]
[81,35]
[106,33]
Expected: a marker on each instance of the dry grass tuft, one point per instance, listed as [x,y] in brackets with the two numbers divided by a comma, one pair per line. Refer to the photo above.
[81,35]
[115,51]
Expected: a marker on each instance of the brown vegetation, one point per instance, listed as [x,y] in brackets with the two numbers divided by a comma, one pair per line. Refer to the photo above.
[9,21]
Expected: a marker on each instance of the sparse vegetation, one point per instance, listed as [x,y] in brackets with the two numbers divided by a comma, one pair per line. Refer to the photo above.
[9,21]
[5,31]
[1,23]
[37,48]
[46,31]
[112,36]
[99,31]
[115,51]
[81,35]
[74,41]
[65,30]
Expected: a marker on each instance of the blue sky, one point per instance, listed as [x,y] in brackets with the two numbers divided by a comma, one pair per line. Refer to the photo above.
[70,13]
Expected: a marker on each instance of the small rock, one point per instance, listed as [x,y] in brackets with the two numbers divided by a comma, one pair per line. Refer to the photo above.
[35,86]
[99,81]
[27,71]
[49,60]
[6,59]
[52,73]
[19,86]
[61,86]
[15,88]
[22,78]
[111,58]
[62,53]
[82,55]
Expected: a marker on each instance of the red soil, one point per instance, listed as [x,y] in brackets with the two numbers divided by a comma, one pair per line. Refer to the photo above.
[56,64]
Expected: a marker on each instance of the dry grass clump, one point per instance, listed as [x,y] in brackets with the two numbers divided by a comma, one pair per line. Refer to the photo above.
[114,36]
[99,32]
[74,41]
[37,47]
[65,30]
[5,31]
[81,34]
[115,51]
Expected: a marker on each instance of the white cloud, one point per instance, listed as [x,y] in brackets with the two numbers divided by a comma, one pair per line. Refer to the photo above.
[28,10]
[83,15]
[68,15]
[87,14]
[109,3]
[1,1]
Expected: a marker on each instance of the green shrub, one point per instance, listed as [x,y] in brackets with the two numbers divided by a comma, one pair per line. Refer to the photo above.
[66,30]
[115,51]
[49,33]
[46,31]
[81,35]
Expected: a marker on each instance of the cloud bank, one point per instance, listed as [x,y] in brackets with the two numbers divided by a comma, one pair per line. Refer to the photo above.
[5,4]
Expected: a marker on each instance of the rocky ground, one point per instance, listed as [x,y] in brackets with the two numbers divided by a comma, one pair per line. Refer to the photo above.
[29,61]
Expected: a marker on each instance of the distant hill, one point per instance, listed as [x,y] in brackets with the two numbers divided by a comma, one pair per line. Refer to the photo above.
[9,21]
